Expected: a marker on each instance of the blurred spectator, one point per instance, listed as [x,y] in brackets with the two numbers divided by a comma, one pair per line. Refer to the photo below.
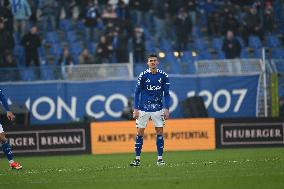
[109,15]
[230,23]
[6,42]
[85,57]
[123,13]
[268,20]
[91,18]
[214,24]
[10,74]
[10,61]
[48,14]
[34,4]
[136,10]
[22,12]
[138,43]
[82,5]
[7,15]
[183,29]
[120,43]
[210,13]
[65,58]
[103,51]
[231,46]
[65,5]
[252,25]
[141,11]
[172,9]
[229,8]
[31,42]
[191,6]
[159,7]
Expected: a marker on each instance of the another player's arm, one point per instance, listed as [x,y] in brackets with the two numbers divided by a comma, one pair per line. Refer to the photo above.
[10,114]
[137,97]
[166,87]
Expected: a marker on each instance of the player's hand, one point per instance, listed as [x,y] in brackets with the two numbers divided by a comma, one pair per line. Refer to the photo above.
[135,114]
[10,116]
[166,114]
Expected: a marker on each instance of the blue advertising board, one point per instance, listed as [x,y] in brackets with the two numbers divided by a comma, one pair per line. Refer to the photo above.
[61,102]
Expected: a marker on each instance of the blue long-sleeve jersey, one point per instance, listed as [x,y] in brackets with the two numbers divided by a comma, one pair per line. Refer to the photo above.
[150,90]
[4,101]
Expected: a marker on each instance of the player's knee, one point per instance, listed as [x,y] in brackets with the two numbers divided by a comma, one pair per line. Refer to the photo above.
[159,130]
[140,131]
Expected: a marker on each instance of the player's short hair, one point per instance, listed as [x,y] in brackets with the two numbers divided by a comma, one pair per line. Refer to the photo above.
[152,56]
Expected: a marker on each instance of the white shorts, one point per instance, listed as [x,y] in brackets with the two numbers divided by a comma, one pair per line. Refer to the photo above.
[144,117]
[1,129]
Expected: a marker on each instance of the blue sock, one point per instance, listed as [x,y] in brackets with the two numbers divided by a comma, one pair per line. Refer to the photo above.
[138,145]
[160,145]
[7,150]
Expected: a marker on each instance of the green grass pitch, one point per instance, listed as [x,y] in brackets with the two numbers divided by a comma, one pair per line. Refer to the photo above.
[221,169]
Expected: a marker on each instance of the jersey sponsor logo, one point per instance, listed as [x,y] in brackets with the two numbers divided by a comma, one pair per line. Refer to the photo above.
[153,87]
[160,80]
[148,81]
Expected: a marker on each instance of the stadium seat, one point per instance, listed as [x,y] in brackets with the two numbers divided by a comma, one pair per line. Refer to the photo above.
[204,55]
[19,54]
[187,62]
[244,53]
[52,38]
[196,32]
[56,50]
[187,67]
[92,48]
[46,72]
[41,52]
[165,45]
[27,74]
[18,50]
[147,34]
[80,25]
[76,48]
[138,68]
[272,41]
[221,55]
[241,41]
[170,64]
[150,46]
[257,53]
[186,55]
[70,36]
[200,44]
[65,25]
[254,42]
[217,43]
[17,39]
[278,53]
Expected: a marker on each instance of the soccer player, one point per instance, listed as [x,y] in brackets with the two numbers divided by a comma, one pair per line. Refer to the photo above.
[3,140]
[152,85]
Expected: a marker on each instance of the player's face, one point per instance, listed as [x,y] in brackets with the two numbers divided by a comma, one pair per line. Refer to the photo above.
[153,62]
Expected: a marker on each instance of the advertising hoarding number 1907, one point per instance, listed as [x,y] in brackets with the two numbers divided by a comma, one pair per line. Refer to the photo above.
[213,99]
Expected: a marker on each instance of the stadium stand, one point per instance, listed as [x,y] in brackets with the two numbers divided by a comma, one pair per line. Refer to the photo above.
[205,41]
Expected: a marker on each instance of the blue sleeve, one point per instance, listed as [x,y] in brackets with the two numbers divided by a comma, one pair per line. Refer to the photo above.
[4,101]
[137,92]
[166,88]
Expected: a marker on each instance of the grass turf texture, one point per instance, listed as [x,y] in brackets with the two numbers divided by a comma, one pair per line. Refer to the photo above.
[234,168]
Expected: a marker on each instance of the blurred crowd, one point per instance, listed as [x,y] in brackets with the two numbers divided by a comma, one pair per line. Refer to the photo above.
[118,27]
